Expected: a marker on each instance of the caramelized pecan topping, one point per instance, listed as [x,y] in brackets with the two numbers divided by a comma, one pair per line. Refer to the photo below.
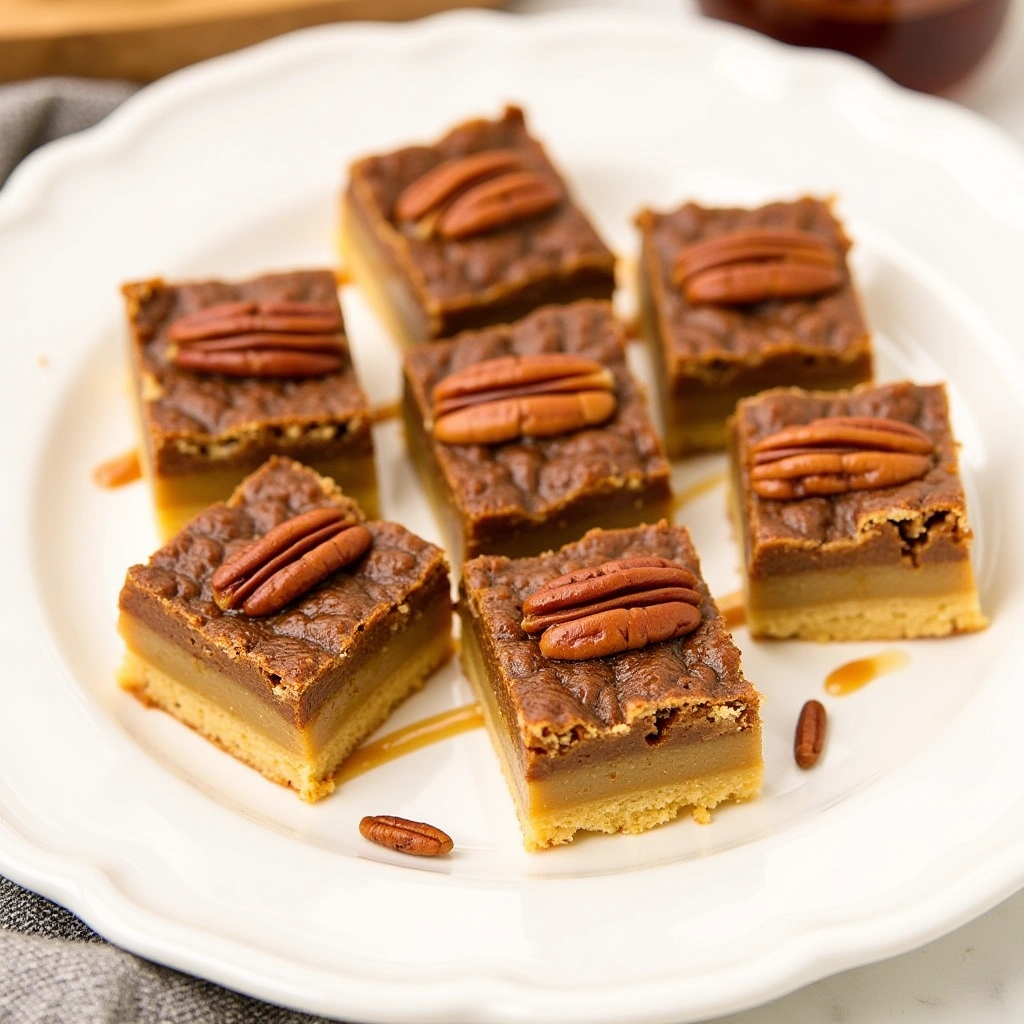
[289,560]
[621,605]
[755,264]
[538,395]
[472,194]
[838,454]
[260,339]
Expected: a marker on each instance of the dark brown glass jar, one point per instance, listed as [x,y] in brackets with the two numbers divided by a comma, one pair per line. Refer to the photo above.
[926,44]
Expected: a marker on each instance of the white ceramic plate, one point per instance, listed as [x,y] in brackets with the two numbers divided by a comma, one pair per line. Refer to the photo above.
[913,822]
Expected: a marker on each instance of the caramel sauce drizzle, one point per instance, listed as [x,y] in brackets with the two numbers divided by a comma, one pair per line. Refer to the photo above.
[732,608]
[385,412]
[118,471]
[697,490]
[404,741]
[853,675]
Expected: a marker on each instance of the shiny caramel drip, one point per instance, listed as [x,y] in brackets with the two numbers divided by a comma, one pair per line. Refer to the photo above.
[853,675]
[385,412]
[118,471]
[404,741]
[697,490]
[732,609]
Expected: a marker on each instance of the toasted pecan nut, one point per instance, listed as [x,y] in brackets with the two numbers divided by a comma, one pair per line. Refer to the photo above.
[233,319]
[539,395]
[289,560]
[836,455]
[817,474]
[533,416]
[621,605]
[620,629]
[442,183]
[259,362]
[755,282]
[499,203]
[749,244]
[267,339]
[809,741]
[847,432]
[537,623]
[755,264]
[504,376]
[621,576]
[405,836]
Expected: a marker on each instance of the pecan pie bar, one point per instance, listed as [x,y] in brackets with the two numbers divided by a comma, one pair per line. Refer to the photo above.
[735,301]
[527,435]
[227,374]
[611,688]
[852,514]
[476,229]
[283,627]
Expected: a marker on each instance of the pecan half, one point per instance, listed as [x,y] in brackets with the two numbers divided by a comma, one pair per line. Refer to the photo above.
[499,203]
[260,339]
[289,560]
[476,193]
[405,836]
[621,605]
[809,741]
[755,264]
[540,395]
[444,182]
[838,454]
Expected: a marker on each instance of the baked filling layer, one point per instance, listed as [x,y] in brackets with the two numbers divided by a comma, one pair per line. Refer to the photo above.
[304,757]
[367,265]
[874,603]
[625,793]
[180,497]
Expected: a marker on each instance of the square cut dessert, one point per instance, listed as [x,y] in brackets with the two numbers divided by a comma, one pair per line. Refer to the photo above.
[611,688]
[283,627]
[476,229]
[852,514]
[735,301]
[528,434]
[228,374]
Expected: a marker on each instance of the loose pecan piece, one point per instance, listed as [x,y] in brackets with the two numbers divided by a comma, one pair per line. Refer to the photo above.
[260,339]
[540,395]
[476,193]
[405,836]
[838,454]
[809,741]
[289,560]
[621,605]
[754,264]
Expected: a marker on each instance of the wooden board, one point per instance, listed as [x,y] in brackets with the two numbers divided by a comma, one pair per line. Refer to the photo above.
[143,39]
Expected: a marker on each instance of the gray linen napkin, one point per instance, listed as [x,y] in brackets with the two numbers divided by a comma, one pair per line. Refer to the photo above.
[54,968]
[44,109]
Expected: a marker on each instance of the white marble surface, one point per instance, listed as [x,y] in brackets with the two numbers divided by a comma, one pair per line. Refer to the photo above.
[975,975]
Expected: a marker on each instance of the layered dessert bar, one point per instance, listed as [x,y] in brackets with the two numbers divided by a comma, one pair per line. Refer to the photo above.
[611,688]
[528,434]
[735,301]
[477,229]
[284,627]
[228,374]
[852,514]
